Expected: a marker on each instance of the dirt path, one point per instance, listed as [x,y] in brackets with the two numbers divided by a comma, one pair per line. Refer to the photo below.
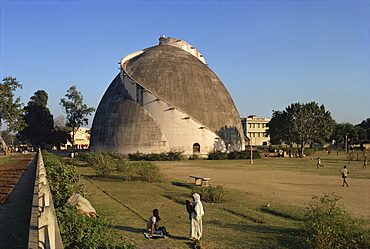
[10,173]
[16,181]
[276,186]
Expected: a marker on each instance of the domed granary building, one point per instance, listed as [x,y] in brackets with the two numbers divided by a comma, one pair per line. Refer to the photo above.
[165,98]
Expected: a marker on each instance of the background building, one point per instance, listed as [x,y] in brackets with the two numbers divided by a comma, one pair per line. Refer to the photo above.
[255,130]
[81,138]
[165,98]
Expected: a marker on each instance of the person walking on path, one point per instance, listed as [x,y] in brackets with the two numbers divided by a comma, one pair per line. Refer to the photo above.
[365,162]
[344,172]
[196,226]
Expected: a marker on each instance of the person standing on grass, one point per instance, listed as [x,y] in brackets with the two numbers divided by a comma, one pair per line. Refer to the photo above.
[365,162]
[318,163]
[344,172]
[196,226]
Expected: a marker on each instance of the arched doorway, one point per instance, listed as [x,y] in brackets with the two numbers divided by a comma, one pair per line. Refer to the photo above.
[196,148]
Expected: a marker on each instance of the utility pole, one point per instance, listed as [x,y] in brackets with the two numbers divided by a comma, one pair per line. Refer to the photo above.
[251,150]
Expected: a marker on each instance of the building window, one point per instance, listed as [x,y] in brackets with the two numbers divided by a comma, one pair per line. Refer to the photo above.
[196,148]
[139,94]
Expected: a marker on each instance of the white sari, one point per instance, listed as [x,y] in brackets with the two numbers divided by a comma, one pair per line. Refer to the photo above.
[196,226]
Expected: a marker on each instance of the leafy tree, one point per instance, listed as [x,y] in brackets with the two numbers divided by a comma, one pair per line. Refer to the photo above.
[301,124]
[354,134]
[276,126]
[39,120]
[10,109]
[76,111]
[60,135]
[366,125]
[341,131]
[61,131]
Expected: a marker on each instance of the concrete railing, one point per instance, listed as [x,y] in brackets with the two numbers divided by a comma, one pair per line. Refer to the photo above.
[44,229]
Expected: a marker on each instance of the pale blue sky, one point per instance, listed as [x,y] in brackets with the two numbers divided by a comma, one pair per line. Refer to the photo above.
[269,54]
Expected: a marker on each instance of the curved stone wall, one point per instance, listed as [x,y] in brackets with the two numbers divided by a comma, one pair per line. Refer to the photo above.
[166,99]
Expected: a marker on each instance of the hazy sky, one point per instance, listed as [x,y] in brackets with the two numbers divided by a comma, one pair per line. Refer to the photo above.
[269,54]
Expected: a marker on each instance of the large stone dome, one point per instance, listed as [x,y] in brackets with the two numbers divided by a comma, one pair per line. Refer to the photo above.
[166,98]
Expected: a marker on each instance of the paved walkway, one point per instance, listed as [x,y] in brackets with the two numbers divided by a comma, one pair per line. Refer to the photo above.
[16,210]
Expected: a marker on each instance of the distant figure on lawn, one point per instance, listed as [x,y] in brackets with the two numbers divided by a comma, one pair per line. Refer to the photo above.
[365,162]
[344,172]
[153,225]
[196,215]
[319,163]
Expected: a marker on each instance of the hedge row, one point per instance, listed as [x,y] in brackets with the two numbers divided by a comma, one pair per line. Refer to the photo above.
[78,231]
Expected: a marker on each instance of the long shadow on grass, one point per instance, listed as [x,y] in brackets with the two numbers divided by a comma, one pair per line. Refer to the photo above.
[113,178]
[280,214]
[284,237]
[181,184]
[129,229]
[138,230]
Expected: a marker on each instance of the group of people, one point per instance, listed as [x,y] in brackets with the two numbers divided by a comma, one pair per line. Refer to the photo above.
[344,172]
[196,212]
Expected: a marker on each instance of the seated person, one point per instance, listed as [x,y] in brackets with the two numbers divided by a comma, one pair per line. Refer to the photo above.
[153,225]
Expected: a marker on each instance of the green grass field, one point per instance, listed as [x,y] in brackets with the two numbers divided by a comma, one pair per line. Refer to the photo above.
[244,221]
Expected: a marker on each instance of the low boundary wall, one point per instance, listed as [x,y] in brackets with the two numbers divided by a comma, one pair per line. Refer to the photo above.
[44,229]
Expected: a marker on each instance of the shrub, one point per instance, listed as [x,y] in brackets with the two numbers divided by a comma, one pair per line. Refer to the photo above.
[135,156]
[126,170]
[308,152]
[245,154]
[148,171]
[351,156]
[63,178]
[217,155]
[174,156]
[80,231]
[194,157]
[234,155]
[164,156]
[104,165]
[213,194]
[328,225]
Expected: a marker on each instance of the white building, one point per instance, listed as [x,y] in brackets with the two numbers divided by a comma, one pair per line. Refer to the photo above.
[255,130]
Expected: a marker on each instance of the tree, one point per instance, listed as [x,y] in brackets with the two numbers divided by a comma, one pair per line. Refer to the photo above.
[10,109]
[60,121]
[301,124]
[341,131]
[354,134]
[39,120]
[366,125]
[76,111]
[61,131]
